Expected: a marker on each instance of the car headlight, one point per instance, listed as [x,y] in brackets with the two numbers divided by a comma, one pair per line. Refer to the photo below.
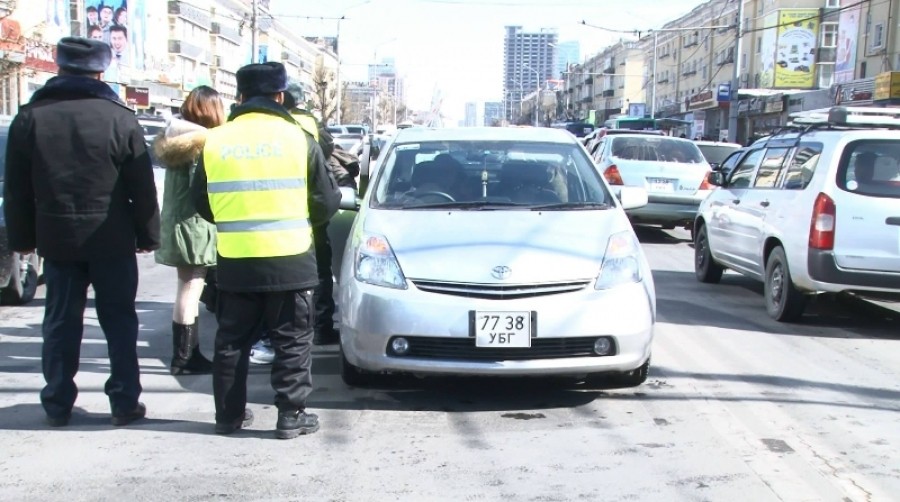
[621,263]
[376,263]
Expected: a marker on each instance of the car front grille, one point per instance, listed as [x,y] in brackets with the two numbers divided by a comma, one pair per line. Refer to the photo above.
[464,349]
[499,291]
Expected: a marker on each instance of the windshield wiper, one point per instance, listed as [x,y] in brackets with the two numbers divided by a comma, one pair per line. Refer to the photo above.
[577,206]
[472,205]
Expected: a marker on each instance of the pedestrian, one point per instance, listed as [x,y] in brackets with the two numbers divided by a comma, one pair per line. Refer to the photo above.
[341,167]
[188,242]
[262,180]
[80,189]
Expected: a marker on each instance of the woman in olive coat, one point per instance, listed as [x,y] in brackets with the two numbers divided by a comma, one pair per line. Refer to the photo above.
[188,241]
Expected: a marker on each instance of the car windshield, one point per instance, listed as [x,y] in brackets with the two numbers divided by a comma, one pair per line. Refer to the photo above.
[488,175]
[716,154]
[871,167]
[656,148]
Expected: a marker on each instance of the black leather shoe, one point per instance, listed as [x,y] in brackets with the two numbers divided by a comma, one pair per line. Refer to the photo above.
[139,412]
[243,422]
[60,421]
[295,423]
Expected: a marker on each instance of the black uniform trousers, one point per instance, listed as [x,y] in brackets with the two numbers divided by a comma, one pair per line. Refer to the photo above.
[324,292]
[288,317]
[115,283]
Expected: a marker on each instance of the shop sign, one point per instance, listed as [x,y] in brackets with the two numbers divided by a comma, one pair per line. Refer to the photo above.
[40,56]
[138,97]
[887,86]
[703,100]
[774,104]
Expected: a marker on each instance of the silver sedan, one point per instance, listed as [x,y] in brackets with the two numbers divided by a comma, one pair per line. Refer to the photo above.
[495,251]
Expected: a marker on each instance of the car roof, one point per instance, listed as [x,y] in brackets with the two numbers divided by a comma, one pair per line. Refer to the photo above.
[620,131]
[527,134]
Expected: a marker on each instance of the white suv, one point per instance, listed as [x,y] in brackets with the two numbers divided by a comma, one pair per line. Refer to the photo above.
[815,209]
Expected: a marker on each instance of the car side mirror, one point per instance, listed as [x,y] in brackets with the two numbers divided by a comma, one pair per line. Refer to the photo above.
[349,199]
[374,152]
[715,166]
[716,178]
[632,197]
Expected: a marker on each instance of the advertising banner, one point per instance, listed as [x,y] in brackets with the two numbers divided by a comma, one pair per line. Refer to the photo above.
[848,34]
[121,24]
[795,56]
[767,57]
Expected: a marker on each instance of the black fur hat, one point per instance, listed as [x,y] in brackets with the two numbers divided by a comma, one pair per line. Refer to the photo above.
[261,79]
[82,55]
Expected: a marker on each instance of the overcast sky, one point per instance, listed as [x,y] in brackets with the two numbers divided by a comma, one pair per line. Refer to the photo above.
[457,45]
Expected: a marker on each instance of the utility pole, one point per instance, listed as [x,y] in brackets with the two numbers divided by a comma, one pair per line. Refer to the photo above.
[735,77]
[654,77]
[340,90]
[254,42]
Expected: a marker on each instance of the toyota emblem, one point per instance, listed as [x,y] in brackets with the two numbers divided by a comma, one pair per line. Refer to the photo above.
[501,272]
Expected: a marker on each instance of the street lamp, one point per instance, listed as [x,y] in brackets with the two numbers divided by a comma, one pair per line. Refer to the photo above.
[537,95]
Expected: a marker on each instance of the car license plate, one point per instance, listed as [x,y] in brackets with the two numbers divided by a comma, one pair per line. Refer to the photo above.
[661,185]
[502,329]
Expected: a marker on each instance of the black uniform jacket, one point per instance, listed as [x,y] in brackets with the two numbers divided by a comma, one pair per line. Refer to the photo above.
[282,273]
[79,181]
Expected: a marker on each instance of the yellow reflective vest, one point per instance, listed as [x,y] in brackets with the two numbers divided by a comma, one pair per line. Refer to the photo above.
[256,169]
[308,123]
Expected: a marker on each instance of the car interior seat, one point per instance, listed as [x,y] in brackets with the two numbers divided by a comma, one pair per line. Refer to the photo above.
[528,183]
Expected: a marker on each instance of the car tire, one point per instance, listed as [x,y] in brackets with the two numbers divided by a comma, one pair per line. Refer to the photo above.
[705,266]
[633,378]
[23,280]
[351,375]
[784,302]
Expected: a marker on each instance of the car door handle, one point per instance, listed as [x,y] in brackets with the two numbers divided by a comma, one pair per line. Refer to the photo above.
[764,203]
[893,220]
[736,201]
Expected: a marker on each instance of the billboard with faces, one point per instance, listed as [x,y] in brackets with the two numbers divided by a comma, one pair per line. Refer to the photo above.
[121,24]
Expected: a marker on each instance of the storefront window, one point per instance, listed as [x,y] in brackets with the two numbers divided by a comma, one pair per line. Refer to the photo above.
[826,75]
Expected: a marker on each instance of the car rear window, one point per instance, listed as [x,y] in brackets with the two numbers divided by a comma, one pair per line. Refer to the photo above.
[658,149]
[871,167]
[356,130]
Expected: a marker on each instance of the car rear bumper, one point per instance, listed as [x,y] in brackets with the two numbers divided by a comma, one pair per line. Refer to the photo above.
[827,276]
[665,210]
[374,316]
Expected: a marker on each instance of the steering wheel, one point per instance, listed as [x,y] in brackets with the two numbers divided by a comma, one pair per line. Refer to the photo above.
[420,195]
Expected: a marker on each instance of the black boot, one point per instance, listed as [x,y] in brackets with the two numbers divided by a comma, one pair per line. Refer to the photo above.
[186,356]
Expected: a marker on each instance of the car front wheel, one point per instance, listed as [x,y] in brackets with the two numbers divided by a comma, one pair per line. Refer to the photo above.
[23,280]
[351,375]
[784,302]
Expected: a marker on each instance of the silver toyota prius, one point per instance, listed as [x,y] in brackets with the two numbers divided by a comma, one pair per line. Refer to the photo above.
[494,251]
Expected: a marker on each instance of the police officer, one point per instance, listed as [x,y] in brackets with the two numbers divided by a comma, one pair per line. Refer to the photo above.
[264,183]
[80,189]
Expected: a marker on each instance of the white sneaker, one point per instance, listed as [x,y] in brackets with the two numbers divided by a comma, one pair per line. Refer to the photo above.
[262,353]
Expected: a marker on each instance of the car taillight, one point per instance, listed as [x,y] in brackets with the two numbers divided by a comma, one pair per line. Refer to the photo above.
[705,185]
[821,227]
[612,175]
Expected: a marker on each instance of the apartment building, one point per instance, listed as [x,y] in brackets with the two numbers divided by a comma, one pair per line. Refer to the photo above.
[604,85]
[471,116]
[171,47]
[529,61]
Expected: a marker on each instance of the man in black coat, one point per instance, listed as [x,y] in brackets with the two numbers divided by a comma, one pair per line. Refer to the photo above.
[80,189]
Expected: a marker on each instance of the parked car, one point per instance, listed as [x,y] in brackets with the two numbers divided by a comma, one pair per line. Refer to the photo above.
[809,211]
[19,273]
[672,170]
[493,251]
[715,152]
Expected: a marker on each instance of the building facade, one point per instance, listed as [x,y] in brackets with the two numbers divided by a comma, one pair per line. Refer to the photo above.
[493,114]
[471,116]
[567,54]
[529,62]
[162,49]
[606,84]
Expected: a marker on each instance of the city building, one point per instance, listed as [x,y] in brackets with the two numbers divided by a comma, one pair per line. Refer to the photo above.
[567,53]
[493,113]
[166,48]
[471,119]
[604,85]
[529,62]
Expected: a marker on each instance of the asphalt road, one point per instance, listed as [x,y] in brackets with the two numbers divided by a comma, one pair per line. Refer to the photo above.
[737,407]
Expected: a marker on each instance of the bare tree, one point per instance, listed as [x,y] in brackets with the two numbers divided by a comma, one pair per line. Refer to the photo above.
[325,91]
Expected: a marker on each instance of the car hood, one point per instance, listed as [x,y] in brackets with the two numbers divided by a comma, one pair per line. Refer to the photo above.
[465,246]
